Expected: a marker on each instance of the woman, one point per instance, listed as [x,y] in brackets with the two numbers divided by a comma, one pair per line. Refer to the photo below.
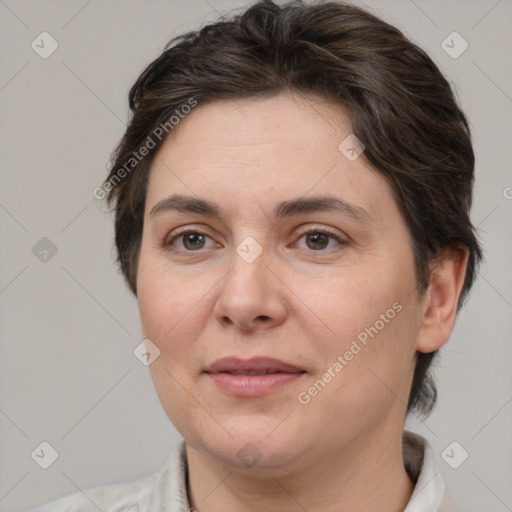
[291,201]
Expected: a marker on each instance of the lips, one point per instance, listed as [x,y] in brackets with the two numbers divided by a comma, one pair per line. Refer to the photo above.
[254,366]
[254,377]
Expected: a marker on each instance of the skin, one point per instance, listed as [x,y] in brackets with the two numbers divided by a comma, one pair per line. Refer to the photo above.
[301,301]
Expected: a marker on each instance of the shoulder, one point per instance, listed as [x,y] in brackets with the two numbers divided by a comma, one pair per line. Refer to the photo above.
[449,504]
[120,497]
[137,495]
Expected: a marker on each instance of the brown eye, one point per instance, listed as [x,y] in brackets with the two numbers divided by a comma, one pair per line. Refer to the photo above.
[193,241]
[188,241]
[317,240]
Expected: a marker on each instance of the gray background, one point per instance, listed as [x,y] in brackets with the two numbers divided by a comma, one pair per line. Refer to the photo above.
[68,325]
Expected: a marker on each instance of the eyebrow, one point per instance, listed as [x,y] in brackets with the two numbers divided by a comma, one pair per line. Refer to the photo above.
[289,208]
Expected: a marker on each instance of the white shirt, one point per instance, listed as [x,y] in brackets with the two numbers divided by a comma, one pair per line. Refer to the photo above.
[166,490]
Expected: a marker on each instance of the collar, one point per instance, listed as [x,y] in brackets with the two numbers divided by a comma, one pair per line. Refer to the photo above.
[420,464]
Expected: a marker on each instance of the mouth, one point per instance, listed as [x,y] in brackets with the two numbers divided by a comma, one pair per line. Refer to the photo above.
[253,372]
[252,377]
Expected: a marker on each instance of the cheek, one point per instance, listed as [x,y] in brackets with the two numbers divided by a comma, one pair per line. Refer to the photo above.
[367,324]
[165,306]
[366,373]
[170,312]
[165,298]
[345,306]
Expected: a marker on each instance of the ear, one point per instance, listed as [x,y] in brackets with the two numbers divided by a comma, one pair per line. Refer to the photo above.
[441,299]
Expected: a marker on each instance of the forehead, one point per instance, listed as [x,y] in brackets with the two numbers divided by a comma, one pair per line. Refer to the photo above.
[250,128]
[263,151]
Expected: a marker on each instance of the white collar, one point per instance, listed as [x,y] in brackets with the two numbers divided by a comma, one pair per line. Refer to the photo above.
[419,459]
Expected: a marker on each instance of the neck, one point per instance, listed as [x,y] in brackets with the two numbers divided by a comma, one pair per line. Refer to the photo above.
[367,475]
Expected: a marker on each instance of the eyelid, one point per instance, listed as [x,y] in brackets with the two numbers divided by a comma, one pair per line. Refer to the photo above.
[321,229]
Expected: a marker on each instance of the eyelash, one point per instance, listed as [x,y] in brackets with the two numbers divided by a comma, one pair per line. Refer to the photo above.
[169,243]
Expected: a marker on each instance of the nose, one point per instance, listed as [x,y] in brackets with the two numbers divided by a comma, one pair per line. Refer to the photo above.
[251,295]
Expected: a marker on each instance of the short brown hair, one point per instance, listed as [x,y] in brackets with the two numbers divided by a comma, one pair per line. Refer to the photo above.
[400,105]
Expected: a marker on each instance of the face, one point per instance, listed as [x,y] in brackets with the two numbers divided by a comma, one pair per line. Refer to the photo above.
[270,269]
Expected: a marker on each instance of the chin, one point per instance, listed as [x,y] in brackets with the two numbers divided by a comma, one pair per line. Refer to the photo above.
[254,444]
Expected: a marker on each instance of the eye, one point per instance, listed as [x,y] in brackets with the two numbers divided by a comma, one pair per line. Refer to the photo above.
[318,239]
[191,240]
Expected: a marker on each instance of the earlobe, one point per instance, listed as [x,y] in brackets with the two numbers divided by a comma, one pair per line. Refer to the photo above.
[441,299]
